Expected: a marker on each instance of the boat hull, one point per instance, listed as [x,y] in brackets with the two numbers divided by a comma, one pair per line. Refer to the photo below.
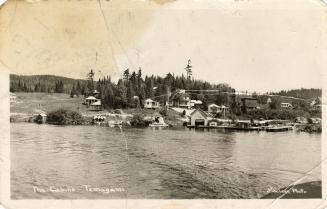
[279,129]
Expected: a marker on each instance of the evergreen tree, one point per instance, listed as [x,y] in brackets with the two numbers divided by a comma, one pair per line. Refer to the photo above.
[73,91]
[78,88]
[126,74]
[90,82]
[109,96]
[122,94]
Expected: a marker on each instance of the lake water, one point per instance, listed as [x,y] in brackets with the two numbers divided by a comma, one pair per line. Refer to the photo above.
[100,162]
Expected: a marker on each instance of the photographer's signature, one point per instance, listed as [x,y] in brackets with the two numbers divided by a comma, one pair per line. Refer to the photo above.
[286,190]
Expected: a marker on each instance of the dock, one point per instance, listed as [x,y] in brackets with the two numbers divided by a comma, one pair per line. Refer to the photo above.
[227,128]
[249,128]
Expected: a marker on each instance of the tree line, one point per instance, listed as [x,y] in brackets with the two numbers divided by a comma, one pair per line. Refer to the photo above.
[45,83]
[133,88]
[301,93]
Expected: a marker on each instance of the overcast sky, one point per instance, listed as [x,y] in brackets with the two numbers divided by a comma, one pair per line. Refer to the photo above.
[258,45]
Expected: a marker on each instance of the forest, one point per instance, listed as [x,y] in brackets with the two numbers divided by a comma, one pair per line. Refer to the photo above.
[133,88]
[128,91]
[44,83]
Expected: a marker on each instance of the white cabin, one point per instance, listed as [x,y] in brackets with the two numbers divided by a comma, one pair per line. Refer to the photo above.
[151,104]
[90,100]
[213,108]
[12,97]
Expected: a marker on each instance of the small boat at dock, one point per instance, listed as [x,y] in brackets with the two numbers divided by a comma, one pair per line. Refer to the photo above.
[158,122]
[229,127]
[158,125]
[113,124]
[278,128]
[250,128]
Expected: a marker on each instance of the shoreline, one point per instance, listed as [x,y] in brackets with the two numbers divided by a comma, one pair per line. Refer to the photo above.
[181,127]
[29,105]
[174,120]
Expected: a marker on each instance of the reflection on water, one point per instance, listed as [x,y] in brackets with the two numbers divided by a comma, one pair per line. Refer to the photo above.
[147,163]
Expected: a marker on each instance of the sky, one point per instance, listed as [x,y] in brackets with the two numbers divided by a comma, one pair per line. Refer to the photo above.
[254,45]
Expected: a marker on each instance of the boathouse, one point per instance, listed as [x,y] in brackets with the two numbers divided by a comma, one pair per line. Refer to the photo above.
[199,118]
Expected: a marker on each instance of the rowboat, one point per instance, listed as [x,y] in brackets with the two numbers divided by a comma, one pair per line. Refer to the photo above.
[279,128]
[158,125]
[115,124]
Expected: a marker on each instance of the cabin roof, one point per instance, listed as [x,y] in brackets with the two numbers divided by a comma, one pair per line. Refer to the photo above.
[285,103]
[91,98]
[196,101]
[213,105]
[99,117]
[204,114]
[149,100]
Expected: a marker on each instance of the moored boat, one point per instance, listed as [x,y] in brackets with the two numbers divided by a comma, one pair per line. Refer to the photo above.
[115,123]
[158,125]
[158,122]
[278,128]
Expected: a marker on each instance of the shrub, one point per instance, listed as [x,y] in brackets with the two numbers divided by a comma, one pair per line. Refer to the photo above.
[233,118]
[65,117]
[138,121]
[282,114]
[310,121]
[163,112]
[310,128]
[38,119]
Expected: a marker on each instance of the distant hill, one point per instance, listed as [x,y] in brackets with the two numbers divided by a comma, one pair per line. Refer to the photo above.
[302,93]
[43,83]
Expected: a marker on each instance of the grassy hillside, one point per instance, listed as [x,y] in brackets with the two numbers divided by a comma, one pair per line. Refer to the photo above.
[31,103]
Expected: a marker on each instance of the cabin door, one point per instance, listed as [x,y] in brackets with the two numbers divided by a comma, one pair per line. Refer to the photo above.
[199,122]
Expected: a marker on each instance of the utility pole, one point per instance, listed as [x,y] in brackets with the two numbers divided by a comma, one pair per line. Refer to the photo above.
[188,69]
[96,58]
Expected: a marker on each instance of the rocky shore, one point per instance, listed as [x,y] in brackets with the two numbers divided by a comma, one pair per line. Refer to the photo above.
[310,128]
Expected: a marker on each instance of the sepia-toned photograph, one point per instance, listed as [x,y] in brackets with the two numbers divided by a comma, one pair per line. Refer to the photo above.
[164,99]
